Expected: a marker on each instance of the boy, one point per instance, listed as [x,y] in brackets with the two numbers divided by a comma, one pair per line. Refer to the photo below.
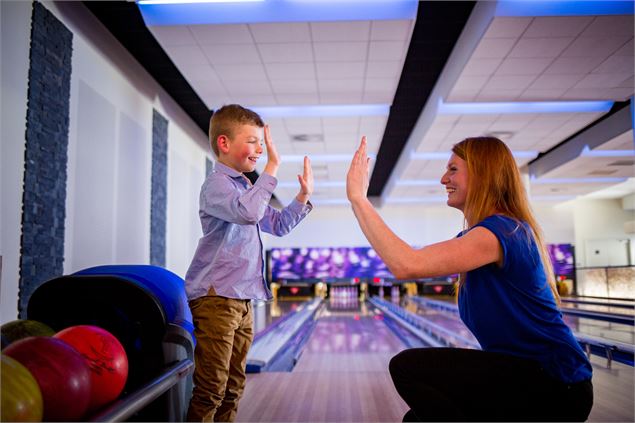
[227,269]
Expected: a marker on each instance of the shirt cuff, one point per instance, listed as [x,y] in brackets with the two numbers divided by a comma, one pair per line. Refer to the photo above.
[266,182]
[300,208]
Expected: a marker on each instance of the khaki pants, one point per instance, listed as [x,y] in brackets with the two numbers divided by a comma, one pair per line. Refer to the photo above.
[224,332]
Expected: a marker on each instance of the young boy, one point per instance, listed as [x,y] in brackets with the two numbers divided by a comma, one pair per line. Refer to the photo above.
[227,269]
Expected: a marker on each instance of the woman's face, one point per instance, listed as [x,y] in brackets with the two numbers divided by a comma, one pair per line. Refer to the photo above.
[455,181]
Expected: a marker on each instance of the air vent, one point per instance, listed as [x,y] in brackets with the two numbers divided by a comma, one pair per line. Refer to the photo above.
[307,138]
[623,163]
[602,172]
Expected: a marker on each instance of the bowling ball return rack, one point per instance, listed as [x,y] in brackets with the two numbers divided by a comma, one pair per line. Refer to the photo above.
[145,308]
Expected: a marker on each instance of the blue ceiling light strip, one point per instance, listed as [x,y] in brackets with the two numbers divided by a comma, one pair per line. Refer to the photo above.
[563,8]
[275,11]
[587,152]
[524,107]
[323,110]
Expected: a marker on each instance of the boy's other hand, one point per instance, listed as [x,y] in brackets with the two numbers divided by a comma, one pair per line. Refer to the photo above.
[306,182]
[273,159]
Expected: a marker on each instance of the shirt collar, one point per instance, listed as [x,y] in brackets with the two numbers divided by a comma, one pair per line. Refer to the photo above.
[222,168]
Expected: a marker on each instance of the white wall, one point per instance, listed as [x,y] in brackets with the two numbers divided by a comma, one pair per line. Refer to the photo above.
[15,26]
[110,148]
[336,226]
[599,225]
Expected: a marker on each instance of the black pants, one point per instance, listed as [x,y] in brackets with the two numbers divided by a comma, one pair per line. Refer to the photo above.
[451,384]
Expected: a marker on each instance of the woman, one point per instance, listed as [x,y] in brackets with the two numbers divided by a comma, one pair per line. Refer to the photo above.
[530,367]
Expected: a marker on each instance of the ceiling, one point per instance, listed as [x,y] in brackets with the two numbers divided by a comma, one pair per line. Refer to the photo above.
[553,82]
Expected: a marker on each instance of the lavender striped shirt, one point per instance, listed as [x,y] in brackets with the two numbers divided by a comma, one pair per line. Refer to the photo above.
[229,255]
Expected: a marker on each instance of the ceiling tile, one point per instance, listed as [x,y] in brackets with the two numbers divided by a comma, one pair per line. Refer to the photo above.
[333,70]
[386,50]
[201,73]
[602,80]
[557,26]
[340,51]
[294,86]
[544,94]
[297,99]
[387,69]
[241,72]
[301,71]
[173,35]
[517,82]
[341,86]
[390,30]
[519,66]
[628,49]
[224,54]
[251,100]
[246,87]
[507,27]
[186,55]
[221,34]
[555,81]
[604,26]
[340,98]
[280,32]
[340,31]
[595,46]
[378,97]
[573,65]
[489,48]
[286,52]
[477,67]
[615,65]
[540,47]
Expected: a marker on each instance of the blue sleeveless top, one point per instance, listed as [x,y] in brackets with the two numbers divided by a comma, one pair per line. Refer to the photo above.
[511,309]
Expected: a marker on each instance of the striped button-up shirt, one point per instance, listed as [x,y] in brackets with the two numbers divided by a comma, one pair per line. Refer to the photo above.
[229,256]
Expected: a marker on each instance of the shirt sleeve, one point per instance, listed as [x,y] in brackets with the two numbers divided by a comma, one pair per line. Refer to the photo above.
[222,199]
[495,226]
[280,222]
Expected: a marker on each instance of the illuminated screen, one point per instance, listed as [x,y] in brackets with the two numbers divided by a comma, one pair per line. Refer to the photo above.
[563,259]
[326,263]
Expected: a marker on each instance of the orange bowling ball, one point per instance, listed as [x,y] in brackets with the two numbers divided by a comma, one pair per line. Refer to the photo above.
[106,358]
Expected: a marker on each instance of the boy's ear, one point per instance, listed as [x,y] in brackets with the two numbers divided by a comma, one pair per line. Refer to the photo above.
[223,143]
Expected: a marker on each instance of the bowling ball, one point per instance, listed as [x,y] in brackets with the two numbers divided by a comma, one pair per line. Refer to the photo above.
[61,372]
[21,396]
[106,358]
[20,329]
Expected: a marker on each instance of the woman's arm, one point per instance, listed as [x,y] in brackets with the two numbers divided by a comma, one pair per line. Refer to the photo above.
[476,248]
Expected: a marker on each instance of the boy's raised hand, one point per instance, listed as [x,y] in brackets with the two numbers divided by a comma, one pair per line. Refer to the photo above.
[273,158]
[306,182]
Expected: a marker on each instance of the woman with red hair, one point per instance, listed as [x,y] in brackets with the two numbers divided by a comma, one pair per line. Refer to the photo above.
[531,367]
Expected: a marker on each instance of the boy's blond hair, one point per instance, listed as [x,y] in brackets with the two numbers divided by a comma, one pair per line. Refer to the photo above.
[225,120]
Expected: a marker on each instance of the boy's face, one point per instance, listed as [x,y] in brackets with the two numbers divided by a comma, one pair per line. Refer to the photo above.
[242,151]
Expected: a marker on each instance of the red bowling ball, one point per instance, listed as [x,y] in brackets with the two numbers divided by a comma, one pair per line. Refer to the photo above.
[106,358]
[61,372]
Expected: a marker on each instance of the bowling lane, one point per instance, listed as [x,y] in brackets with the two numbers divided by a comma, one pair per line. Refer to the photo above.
[267,313]
[341,337]
[601,308]
[607,330]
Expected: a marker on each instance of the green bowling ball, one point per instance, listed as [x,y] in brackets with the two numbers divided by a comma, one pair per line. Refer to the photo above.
[21,395]
[20,329]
